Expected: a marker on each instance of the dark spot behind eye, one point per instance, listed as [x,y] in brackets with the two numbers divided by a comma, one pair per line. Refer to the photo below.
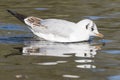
[87,26]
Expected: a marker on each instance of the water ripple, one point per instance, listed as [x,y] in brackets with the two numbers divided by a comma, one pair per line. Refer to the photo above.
[41,9]
[112,51]
[13,27]
[95,17]
[14,40]
[116,77]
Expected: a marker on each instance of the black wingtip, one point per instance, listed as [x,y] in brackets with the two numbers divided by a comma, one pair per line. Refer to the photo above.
[21,17]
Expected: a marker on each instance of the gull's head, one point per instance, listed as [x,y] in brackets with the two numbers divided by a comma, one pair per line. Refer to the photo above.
[90,28]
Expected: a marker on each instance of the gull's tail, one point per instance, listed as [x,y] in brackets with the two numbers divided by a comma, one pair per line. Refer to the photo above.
[17,15]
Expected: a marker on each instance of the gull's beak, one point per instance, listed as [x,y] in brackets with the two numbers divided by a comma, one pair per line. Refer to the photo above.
[99,35]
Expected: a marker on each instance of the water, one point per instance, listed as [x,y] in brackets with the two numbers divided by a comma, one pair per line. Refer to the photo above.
[24,57]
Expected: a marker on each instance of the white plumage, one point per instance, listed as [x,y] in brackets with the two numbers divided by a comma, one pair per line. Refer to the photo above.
[58,30]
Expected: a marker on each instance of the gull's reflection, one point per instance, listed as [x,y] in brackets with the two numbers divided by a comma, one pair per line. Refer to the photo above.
[45,48]
[85,51]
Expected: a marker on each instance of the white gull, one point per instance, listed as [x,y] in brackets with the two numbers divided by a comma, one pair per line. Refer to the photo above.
[58,30]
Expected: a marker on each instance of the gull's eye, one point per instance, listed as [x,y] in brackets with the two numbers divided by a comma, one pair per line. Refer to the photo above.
[92,28]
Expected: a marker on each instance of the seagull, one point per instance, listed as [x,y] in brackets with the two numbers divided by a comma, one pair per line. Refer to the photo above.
[58,30]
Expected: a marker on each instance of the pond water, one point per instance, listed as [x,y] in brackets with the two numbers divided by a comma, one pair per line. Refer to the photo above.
[24,57]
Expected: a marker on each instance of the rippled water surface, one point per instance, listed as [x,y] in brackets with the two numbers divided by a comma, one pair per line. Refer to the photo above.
[24,57]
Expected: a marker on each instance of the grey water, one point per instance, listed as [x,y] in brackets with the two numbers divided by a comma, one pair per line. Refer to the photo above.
[24,57]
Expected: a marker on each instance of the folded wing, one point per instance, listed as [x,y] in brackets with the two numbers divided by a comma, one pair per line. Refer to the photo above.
[56,27]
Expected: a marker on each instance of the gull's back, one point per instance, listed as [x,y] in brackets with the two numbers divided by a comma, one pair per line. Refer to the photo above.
[57,27]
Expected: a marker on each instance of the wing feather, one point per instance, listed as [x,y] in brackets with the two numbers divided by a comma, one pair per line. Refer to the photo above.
[56,27]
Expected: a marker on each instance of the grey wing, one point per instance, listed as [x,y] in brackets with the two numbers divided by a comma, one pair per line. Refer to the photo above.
[57,27]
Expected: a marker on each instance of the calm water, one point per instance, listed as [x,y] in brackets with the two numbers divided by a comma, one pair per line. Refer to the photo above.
[23,57]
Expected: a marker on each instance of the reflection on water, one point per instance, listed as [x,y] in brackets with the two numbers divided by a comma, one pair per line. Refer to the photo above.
[51,63]
[44,48]
[71,76]
[60,50]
